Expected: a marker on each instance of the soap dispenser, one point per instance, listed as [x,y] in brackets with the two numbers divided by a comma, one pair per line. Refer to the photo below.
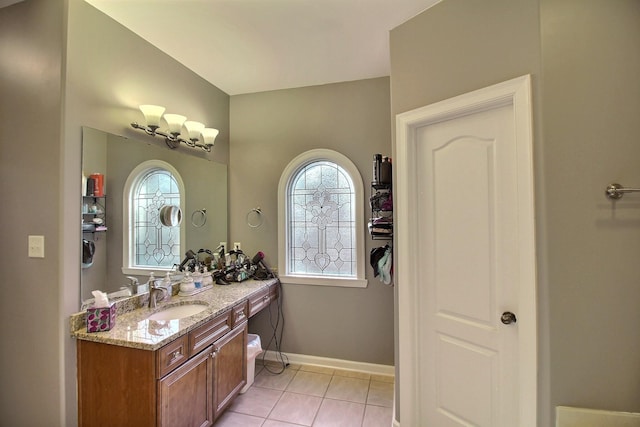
[187,286]
[166,283]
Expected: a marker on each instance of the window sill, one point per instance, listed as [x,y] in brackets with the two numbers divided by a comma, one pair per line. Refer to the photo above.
[143,271]
[324,281]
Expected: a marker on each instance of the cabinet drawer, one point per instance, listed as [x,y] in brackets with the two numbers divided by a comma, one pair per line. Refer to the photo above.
[239,314]
[206,334]
[259,301]
[274,291]
[172,355]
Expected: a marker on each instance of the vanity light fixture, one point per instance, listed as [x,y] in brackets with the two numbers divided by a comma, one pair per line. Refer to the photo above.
[198,136]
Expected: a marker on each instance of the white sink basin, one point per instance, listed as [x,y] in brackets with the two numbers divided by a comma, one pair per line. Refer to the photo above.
[178,312]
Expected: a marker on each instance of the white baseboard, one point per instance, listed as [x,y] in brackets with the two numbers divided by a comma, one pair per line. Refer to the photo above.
[581,417]
[303,359]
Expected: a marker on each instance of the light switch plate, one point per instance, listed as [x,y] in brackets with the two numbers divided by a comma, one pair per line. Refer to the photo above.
[36,246]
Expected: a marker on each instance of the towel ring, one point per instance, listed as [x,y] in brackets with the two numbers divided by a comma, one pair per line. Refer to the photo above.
[201,221]
[255,218]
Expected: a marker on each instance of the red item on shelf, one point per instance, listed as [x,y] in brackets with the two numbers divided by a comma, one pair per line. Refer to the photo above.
[98,187]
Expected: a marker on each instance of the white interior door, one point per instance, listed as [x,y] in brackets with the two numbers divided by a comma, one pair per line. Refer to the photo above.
[467,309]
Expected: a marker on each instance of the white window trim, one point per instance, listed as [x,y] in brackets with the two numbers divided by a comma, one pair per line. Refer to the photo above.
[128,220]
[303,159]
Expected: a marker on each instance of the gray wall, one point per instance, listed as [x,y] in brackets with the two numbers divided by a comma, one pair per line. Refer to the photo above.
[206,184]
[206,188]
[94,159]
[31,41]
[269,130]
[110,71]
[584,59]
[591,111]
[49,91]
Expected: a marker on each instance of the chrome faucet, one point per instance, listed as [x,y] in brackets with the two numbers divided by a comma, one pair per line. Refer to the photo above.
[132,285]
[154,290]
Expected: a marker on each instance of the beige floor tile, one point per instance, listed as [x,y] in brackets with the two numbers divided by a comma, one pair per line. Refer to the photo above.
[266,379]
[380,394]
[350,389]
[296,408]
[234,419]
[338,413]
[274,423]
[317,369]
[256,401]
[377,416]
[274,365]
[383,378]
[352,374]
[309,383]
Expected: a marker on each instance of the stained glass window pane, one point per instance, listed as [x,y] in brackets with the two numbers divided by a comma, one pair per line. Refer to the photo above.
[155,245]
[321,209]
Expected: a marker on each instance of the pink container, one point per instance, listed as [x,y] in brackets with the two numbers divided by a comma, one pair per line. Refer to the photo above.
[101,319]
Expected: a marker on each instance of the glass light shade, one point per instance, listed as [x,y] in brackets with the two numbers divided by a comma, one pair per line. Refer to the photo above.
[193,128]
[209,135]
[174,121]
[152,114]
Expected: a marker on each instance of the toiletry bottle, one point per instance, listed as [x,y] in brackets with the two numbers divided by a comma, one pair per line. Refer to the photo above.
[187,286]
[197,279]
[385,171]
[377,159]
[166,283]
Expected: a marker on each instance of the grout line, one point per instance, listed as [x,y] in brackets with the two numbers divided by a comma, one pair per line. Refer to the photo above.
[323,397]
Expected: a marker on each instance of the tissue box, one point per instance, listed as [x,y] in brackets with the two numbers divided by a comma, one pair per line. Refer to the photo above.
[101,319]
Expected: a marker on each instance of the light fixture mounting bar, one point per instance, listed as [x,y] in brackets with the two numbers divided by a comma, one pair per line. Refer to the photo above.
[172,140]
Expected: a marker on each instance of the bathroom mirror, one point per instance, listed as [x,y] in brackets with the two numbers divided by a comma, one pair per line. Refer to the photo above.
[205,204]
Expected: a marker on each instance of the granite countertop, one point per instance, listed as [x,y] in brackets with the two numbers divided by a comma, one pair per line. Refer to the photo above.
[133,329]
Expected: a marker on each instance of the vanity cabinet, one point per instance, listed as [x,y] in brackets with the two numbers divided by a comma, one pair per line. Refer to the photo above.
[187,382]
[230,368]
[185,396]
[262,299]
[199,391]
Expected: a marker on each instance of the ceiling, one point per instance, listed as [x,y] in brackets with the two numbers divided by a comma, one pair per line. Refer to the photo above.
[247,46]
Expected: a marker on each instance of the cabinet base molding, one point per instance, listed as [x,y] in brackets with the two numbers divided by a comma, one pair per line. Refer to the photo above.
[327,362]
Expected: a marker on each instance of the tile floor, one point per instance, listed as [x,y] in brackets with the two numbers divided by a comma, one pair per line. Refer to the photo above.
[312,396]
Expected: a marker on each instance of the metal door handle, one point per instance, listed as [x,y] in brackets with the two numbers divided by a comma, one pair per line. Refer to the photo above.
[508,318]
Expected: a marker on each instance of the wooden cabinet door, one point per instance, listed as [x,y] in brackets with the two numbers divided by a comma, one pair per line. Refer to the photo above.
[230,371]
[185,395]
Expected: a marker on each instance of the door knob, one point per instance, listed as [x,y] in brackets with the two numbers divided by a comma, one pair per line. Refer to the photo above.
[508,318]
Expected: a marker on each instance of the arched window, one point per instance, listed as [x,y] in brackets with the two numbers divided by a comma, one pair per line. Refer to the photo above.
[321,223]
[148,244]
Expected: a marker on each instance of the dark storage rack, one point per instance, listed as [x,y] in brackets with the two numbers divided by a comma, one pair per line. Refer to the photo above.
[100,212]
[381,202]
